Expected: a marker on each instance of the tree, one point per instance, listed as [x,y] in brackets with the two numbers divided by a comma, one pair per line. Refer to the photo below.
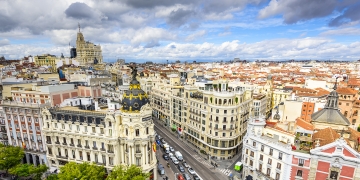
[84,171]
[10,156]
[28,170]
[52,177]
[127,173]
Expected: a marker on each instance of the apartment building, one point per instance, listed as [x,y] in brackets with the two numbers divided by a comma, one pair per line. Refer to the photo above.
[23,121]
[211,114]
[105,132]
[87,52]
[268,154]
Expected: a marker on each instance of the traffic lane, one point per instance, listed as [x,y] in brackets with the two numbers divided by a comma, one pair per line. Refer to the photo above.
[173,167]
[168,171]
[203,171]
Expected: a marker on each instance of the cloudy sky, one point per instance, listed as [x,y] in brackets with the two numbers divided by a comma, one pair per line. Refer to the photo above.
[184,30]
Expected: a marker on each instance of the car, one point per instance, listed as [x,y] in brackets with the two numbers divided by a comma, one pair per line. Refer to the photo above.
[167,151]
[163,140]
[172,149]
[175,161]
[191,170]
[196,177]
[158,136]
[166,157]
[181,168]
[185,165]
[171,155]
[161,145]
[186,176]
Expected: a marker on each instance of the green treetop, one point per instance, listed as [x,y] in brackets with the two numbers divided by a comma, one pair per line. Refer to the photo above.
[10,156]
[128,173]
[84,171]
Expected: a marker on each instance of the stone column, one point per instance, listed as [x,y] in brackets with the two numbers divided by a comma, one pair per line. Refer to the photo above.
[27,158]
[146,153]
[122,152]
[132,154]
[34,159]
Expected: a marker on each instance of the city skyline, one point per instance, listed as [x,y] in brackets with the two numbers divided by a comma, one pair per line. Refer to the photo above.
[185,30]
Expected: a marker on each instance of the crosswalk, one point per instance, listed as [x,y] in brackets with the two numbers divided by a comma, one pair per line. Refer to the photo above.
[206,162]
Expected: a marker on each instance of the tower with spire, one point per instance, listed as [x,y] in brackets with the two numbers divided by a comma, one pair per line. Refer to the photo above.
[330,116]
[87,52]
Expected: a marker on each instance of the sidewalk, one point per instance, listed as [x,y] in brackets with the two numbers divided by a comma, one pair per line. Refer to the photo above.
[224,164]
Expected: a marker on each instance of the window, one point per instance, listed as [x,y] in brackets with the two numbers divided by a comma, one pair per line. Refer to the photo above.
[268,171]
[138,162]
[254,144]
[277,176]
[147,130]
[93,129]
[262,148]
[301,162]
[225,111]
[251,163]
[137,132]
[224,134]
[102,130]
[94,143]
[334,175]
[247,151]
[260,167]
[271,152]
[261,157]
[278,166]
[280,155]
[252,153]
[299,173]
[269,161]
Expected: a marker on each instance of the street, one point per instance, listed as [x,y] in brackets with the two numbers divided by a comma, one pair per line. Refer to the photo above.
[205,172]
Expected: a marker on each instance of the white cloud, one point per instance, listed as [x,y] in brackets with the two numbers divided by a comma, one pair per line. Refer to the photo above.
[4,42]
[195,35]
[277,49]
[343,31]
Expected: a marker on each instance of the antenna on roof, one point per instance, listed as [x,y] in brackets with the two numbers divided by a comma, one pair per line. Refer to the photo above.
[79,26]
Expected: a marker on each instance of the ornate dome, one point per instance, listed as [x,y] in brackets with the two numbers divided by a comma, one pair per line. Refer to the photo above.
[135,97]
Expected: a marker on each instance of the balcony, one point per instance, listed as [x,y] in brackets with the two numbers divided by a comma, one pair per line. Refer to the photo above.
[48,142]
[102,149]
[72,144]
[64,143]
[79,145]
[57,142]
[110,151]
[87,147]
[95,148]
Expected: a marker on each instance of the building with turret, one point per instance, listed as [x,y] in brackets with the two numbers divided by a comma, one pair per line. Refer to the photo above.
[87,52]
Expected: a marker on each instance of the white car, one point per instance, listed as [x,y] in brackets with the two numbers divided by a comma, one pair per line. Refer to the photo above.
[172,149]
[191,170]
[175,161]
[171,155]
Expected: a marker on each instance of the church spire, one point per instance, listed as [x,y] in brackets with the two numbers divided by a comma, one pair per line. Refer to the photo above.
[333,98]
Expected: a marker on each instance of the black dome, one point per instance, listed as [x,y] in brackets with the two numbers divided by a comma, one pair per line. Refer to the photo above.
[135,97]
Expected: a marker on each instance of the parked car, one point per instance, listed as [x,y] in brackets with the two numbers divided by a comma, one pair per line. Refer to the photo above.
[185,165]
[171,155]
[167,151]
[181,168]
[196,177]
[163,140]
[166,157]
[191,170]
[186,176]
[172,149]
[175,161]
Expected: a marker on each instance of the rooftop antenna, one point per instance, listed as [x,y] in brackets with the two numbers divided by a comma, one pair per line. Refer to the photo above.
[79,26]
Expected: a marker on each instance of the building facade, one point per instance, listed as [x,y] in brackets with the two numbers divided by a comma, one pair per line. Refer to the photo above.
[212,115]
[87,52]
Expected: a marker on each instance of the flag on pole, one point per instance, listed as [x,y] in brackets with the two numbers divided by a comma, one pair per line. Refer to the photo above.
[154,147]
